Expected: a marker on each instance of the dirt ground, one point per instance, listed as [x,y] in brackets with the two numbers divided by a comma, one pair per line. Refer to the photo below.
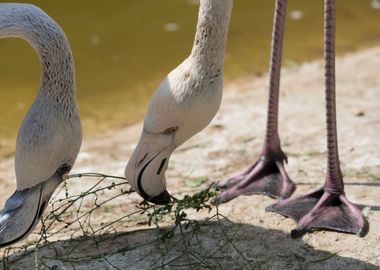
[250,238]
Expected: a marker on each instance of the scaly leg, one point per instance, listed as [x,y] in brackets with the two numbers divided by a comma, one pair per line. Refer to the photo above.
[327,208]
[267,175]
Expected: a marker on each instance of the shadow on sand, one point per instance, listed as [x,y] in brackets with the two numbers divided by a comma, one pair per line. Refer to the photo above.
[216,245]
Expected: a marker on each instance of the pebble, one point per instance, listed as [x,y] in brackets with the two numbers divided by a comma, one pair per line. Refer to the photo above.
[357,112]
[375,4]
[171,27]
[296,15]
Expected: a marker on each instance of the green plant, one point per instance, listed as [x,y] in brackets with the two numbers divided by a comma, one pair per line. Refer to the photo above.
[95,216]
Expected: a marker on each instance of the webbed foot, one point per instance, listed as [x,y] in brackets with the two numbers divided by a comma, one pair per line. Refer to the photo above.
[321,210]
[267,176]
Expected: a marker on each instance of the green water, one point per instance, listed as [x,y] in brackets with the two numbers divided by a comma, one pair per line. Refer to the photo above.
[122,51]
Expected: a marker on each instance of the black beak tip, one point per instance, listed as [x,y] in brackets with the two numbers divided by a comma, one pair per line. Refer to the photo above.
[162,199]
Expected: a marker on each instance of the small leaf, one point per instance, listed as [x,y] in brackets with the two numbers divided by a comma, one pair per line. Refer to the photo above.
[196,182]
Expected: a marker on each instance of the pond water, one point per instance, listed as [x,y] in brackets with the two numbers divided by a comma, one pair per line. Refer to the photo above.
[123,48]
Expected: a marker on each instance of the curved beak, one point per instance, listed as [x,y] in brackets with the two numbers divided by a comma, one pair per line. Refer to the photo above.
[152,171]
[146,171]
[163,198]
[23,210]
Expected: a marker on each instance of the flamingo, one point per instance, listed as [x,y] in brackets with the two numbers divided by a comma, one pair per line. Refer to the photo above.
[328,207]
[50,135]
[184,103]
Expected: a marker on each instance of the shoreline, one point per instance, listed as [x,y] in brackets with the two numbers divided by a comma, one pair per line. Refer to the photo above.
[232,142]
[102,130]
[237,84]
[131,131]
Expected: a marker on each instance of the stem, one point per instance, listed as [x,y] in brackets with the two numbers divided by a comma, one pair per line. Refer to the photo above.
[334,182]
[275,70]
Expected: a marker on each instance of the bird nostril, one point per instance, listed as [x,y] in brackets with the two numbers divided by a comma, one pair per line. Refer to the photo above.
[161,166]
[141,160]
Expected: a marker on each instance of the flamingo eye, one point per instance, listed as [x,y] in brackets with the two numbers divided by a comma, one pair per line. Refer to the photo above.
[65,168]
[170,130]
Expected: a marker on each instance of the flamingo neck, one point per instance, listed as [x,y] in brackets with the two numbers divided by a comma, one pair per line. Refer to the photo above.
[211,34]
[30,23]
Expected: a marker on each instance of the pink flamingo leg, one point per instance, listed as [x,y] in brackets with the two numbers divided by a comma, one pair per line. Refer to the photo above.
[327,208]
[267,175]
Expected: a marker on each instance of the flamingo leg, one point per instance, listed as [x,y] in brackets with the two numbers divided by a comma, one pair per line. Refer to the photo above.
[267,175]
[327,208]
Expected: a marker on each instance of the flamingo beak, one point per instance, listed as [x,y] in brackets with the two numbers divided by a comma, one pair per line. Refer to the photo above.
[23,210]
[162,199]
[154,170]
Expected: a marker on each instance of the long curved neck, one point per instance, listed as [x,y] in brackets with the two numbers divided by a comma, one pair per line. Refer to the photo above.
[48,39]
[211,34]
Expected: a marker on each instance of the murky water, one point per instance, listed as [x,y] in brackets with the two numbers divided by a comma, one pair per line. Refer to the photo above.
[123,48]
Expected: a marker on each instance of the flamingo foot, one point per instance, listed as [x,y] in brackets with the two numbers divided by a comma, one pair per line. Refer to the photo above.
[321,210]
[267,176]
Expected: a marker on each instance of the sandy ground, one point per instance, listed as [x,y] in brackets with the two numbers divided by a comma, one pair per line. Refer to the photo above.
[256,239]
